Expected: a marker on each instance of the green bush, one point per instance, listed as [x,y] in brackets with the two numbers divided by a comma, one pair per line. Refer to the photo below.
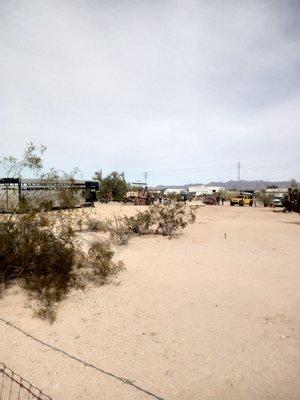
[264,197]
[101,261]
[43,262]
[141,223]
[172,217]
[46,261]
[164,220]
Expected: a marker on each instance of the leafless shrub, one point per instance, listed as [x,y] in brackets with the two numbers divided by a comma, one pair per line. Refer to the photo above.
[119,232]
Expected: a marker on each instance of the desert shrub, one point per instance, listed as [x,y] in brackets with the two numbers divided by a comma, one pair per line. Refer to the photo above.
[172,196]
[101,261]
[67,198]
[141,223]
[119,231]
[192,215]
[81,220]
[44,205]
[46,261]
[264,197]
[79,224]
[96,225]
[170,218]
[163,220]
[23,204]
[41,260]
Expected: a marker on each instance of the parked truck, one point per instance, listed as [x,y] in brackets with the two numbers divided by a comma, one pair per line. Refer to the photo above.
[242,199]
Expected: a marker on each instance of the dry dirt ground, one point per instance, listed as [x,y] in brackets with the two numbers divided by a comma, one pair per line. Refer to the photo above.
[199,317]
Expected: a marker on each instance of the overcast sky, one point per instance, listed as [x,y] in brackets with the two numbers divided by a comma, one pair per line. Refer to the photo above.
[181,89]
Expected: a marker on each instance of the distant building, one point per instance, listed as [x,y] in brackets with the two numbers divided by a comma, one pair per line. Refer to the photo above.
[202,189]
[174,190]
[277,191]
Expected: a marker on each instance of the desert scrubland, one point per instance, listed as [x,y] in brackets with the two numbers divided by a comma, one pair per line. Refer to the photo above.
[210,314]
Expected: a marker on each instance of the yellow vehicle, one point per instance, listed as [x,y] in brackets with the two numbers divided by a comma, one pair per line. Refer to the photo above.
[242,199]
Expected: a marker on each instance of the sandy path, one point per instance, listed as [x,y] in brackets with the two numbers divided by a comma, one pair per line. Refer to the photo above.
[198,317]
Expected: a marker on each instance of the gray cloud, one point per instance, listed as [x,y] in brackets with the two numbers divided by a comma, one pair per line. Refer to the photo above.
[183,89]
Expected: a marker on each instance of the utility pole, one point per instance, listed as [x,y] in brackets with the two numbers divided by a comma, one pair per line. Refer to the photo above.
[239,171]
[146,176]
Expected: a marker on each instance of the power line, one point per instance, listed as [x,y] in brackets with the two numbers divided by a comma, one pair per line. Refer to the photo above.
[216,167]
[275,167]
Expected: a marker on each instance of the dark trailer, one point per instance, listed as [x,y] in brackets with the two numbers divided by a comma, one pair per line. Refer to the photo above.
[91,190]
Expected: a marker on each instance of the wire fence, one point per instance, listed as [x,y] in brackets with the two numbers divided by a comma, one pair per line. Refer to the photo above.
[72,357]
[14,387]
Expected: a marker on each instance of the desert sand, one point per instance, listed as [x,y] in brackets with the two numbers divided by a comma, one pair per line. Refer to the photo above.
[211,314]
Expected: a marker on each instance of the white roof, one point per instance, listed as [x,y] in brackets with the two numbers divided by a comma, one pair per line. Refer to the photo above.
[174,190]
[205,189]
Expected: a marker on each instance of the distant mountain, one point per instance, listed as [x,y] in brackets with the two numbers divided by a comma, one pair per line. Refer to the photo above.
[251,185]
[241,185]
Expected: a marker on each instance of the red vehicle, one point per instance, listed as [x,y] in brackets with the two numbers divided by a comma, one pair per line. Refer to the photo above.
[210,200]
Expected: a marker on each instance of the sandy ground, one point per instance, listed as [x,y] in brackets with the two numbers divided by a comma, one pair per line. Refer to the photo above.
[197,317]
